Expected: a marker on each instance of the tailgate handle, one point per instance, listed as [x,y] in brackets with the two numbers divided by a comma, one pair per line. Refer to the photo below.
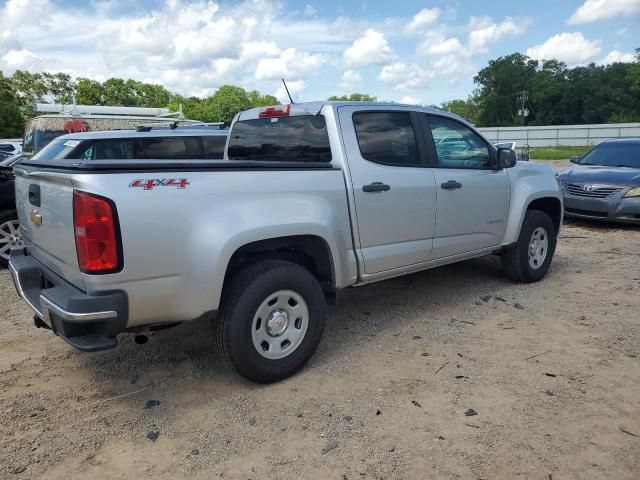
[34,195]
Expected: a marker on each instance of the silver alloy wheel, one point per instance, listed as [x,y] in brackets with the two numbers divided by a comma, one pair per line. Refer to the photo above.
[10,237]
[280,324]
[538,247]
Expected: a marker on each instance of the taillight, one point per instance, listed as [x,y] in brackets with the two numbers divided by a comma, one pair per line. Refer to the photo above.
[274,112]
[97,244]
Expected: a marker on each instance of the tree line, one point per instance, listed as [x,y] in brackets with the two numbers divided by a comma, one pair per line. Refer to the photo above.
[549,92]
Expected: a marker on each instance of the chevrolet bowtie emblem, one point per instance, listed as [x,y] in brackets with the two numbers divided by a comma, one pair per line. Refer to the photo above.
[36,218]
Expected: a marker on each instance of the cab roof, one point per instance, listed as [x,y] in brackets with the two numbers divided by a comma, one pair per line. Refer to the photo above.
[314,108]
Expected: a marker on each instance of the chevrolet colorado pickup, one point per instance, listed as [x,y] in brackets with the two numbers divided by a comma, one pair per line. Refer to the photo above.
[309,199]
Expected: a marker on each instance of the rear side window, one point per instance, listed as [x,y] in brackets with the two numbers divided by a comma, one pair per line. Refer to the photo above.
[301,138]
[113,149]
[386,137]
[5,147]
[214,146]
[172,148]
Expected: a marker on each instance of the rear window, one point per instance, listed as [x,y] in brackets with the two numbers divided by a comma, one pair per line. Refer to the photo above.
[301,138]
[214,146]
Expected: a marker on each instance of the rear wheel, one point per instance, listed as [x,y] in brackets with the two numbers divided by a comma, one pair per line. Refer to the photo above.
[530,259]
[10,236]
[271,320]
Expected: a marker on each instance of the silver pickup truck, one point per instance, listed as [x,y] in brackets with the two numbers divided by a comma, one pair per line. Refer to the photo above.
[310,198]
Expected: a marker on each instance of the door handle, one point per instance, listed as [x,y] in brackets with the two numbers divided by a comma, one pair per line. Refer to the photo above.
[34,195]
[376,187]
[451,185]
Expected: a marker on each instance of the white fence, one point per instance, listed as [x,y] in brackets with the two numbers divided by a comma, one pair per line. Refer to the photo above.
[566,135]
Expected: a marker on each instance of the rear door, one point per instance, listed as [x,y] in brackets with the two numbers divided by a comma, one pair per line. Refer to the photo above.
[394,191]
[473,196]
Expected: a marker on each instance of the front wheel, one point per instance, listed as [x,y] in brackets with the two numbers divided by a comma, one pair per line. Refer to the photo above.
[530,259]
[271,320]
[10,236]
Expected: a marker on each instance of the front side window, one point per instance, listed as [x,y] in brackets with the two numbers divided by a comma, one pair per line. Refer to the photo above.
[386,137]
[458,146]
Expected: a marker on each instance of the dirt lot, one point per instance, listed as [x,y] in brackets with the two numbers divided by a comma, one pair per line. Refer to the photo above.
[555,383]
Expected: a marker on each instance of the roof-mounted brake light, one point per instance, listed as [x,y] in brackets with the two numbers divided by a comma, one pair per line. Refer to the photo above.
[276,111]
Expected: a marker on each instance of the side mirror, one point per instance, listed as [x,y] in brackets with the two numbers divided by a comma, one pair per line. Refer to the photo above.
[506,158]
[574,159]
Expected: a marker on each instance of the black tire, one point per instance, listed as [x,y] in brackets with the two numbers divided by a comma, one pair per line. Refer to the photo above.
[515,260]
[5,217]
[245,293]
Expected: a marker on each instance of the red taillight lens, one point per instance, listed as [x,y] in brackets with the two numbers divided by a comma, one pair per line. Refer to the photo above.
[94,221]
[274,112]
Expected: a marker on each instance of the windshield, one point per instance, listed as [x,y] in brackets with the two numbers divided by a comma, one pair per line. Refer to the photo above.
[301,138]
[56,150]
[613,154]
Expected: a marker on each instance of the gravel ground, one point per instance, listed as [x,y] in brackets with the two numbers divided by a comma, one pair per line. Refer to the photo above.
[552,370]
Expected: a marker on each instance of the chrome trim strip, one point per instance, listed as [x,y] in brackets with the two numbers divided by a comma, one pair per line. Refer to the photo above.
[48,305]
[16,283]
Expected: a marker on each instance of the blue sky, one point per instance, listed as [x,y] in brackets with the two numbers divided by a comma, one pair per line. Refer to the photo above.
[414,51]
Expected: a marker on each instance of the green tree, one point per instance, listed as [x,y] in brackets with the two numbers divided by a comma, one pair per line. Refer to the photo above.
[633,73]
[500,83]
[11,119]
[468,109]
[354,97]
[89,92]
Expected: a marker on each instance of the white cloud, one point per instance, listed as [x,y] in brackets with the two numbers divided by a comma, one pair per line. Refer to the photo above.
[423,18]
[448,58]
[291,64]
[437,44]
[596,10]
[616,56]
[295,89]
[411,100]
[370,49]
[309,10]
[21,59]
[452,68]
[485,32]
[402,76]
[571,48]
[351,81]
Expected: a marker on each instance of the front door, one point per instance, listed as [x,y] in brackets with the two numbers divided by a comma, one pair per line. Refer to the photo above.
[473,196]
[394,190]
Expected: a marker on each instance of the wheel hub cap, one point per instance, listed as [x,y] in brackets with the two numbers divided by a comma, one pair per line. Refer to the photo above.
[280,324]
[277,322]
[538,246]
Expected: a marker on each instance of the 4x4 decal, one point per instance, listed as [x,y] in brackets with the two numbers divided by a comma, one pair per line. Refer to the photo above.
[151,183]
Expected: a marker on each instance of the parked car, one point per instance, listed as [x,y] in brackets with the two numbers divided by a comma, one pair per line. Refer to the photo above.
[604,184]
[10,147]
[144,143]
[10,236]
[310,199]
[65,119]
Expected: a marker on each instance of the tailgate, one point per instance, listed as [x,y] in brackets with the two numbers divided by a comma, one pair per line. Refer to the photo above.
[44,201]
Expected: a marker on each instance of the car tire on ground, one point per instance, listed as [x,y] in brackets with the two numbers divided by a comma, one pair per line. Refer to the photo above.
[271,320]
[529,260]
[10,236]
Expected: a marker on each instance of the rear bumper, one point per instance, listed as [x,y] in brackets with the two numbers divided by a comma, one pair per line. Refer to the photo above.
[87,322]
